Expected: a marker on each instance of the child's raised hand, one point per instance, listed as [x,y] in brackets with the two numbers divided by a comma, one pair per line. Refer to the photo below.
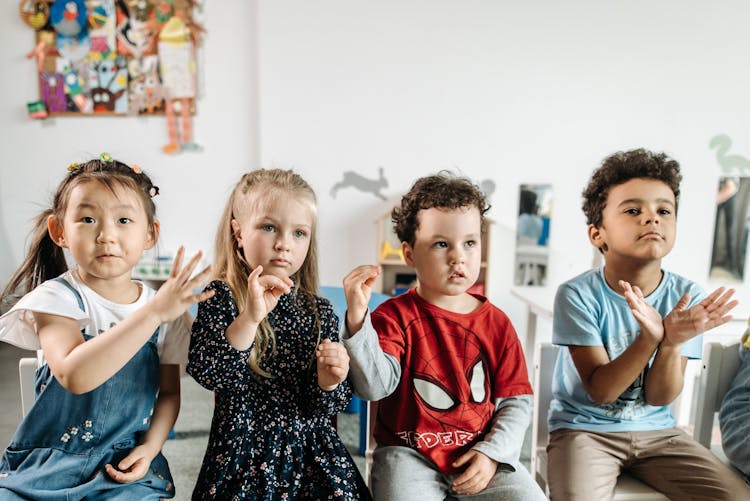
[358,289]
[683,324]
[133,467]
[648,318]
[333,364]
[263,293]
[177,293]
[477,474]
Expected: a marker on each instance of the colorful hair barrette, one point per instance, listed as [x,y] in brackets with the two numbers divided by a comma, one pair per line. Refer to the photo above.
[136,169]
[105,157]
[153,191]
[73,167]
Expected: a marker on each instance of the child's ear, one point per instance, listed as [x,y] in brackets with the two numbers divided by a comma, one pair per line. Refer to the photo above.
[55,230]
[237,231]
[408,253]
[153,235]
[596,237]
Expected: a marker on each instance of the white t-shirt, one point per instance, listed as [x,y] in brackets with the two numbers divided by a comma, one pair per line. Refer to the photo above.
[18,326]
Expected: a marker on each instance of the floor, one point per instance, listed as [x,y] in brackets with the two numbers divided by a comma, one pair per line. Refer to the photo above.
[184,452]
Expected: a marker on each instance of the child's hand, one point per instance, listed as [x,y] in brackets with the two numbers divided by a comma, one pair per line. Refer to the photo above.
[176,294]
[133,467]
[682,324]
[263,293]
[358,289]
[648,318]
[477,475]
[333,364]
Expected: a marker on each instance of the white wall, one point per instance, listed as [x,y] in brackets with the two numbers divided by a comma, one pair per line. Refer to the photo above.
[35,154]
[513,91]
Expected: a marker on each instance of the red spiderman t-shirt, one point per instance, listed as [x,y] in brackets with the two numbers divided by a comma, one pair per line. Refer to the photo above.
[454,366]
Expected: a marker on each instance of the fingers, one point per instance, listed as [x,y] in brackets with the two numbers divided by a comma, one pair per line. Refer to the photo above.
[332,354]
[274,282]
[682,303]
[462,460]
[254,274]
[477,475]
[361,279]
[177,263]
[714,295]
[125,475]
[199,280]
[333,360]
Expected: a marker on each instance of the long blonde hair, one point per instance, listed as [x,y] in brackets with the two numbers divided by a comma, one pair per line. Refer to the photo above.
[231,267]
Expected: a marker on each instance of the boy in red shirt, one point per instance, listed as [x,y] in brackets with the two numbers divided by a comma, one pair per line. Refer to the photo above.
[446,365]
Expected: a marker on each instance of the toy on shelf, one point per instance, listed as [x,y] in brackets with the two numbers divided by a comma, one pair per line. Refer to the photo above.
[155,268]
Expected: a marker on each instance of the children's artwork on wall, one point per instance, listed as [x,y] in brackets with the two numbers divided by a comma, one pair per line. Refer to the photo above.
[116,57]
[351,179]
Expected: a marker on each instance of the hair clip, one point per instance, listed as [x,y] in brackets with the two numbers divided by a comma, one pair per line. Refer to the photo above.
[153,191]
[105,157]
[73,167]
[136,169]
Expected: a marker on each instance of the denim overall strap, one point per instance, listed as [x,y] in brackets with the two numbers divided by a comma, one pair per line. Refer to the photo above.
[72,289]
[65,440]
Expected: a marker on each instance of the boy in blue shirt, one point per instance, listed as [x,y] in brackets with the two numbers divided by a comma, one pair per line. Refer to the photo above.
[630,328]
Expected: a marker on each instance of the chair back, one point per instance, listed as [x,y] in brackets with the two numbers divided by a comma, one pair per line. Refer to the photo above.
[720,364]
[544,364]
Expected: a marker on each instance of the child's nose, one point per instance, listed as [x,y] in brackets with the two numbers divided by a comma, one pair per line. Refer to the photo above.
[106,233]
[651,217]
[282,243]
[456,257]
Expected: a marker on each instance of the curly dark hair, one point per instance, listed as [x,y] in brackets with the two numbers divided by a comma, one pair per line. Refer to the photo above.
[621,167]
[443,190]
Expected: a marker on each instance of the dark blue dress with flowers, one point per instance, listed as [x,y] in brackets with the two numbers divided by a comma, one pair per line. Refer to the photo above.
[271,438]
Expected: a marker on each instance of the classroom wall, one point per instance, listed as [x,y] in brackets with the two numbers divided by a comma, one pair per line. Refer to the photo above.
[514,92]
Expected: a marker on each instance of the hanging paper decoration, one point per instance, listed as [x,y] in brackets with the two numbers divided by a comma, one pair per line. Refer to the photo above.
[117,57]
[34,13]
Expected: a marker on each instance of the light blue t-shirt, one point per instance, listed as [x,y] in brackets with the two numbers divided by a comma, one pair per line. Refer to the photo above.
[588,312]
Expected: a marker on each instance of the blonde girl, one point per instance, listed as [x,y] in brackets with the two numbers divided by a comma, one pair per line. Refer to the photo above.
[108,387]
[267,345]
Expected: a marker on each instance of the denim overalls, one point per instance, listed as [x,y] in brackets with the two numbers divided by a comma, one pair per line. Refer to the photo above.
[62,445]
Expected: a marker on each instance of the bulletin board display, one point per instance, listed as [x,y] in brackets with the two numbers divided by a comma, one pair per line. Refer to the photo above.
[113,57]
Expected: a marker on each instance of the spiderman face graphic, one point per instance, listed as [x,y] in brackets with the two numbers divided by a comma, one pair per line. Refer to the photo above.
[449,375]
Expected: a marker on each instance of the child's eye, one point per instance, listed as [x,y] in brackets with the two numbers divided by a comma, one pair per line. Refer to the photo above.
[633,211]
[470,243]
[300,233]
[124,220]
[440,245]
[88,219]
[665,212]
[267,227]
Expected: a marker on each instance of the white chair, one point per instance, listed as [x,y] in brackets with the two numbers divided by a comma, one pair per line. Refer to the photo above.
[370,444]
[27,372]
[720,364]
[628,488]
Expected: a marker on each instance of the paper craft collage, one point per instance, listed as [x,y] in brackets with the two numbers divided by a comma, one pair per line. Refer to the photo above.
[116,57]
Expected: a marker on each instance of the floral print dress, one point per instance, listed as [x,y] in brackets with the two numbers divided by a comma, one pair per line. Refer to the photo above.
[271,438]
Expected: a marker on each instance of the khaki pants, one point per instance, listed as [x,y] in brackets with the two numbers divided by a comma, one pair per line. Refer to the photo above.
[584,466]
